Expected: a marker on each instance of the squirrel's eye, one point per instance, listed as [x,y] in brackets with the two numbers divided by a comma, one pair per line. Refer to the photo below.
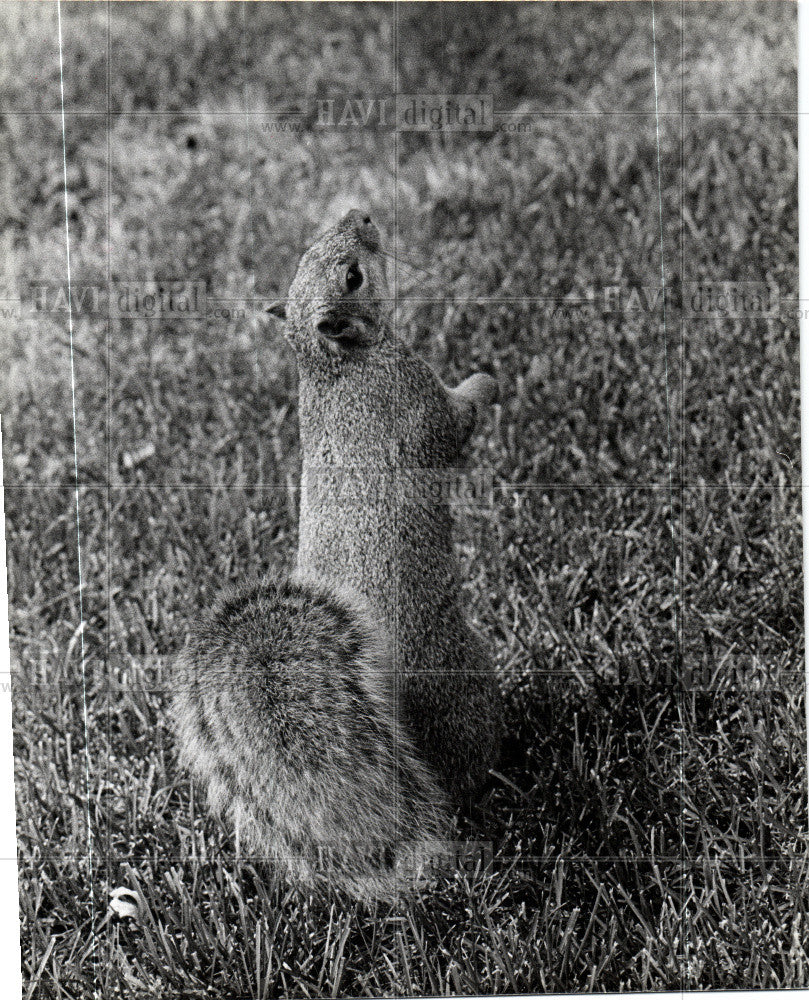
[354,277]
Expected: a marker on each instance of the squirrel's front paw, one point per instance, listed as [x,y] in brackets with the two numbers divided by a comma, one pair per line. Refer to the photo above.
[469,400]
[480,389]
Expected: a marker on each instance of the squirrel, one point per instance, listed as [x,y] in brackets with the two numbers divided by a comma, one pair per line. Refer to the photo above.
[340,716]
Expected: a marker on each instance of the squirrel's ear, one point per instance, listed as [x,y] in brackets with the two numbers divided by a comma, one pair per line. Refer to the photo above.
[277,309]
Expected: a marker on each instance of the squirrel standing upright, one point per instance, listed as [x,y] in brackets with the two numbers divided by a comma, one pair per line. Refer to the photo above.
[338,717]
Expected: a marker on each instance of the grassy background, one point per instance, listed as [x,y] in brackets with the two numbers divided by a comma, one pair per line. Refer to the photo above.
[649,818]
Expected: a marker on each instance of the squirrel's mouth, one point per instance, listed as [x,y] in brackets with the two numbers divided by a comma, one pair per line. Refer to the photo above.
[336,333]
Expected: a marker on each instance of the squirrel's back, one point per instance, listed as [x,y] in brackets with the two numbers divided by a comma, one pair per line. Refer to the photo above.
[382,441]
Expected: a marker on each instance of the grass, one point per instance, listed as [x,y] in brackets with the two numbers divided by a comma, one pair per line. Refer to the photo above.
[649,817]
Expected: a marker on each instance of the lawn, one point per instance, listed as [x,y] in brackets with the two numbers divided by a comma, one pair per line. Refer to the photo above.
[636,563]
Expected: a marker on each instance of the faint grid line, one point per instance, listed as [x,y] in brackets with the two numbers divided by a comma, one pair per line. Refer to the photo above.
[682,439]
[611,685]
[499,860]
[504,488]
[665,333]
[560,300]
[108,496]
[250,212]
[396,153]
[196,113]
[78,518]
[803,287]
[677,647]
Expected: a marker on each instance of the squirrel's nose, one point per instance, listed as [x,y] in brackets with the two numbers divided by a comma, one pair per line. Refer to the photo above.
[361,224]
[355,219]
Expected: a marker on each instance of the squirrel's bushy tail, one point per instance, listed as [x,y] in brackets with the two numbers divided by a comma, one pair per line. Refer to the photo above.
[286,712]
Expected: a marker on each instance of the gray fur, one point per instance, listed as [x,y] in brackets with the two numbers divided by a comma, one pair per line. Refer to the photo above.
[307,724]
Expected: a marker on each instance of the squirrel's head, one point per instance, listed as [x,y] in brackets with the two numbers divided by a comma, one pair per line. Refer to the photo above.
[338,304]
